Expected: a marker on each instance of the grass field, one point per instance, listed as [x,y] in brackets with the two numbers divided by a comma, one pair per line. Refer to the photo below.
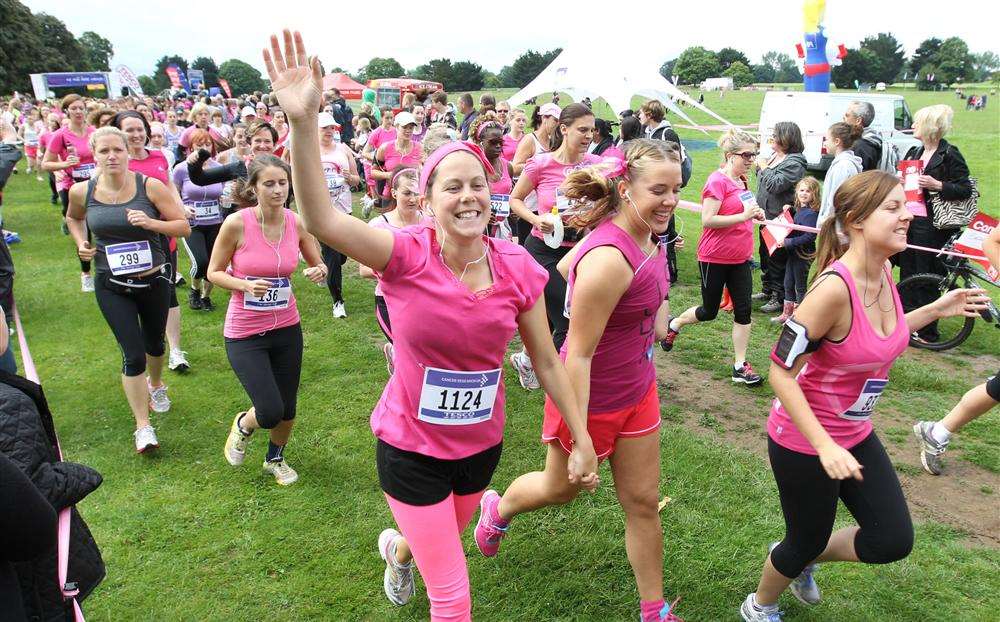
[187,537]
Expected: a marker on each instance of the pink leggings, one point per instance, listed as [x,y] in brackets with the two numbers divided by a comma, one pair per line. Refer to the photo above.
[434,534]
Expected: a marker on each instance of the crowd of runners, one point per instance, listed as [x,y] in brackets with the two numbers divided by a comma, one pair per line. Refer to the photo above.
[490,221]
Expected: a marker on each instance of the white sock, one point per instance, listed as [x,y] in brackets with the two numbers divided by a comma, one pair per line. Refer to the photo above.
[673,326]
[760,607]
[940,433]
[739,366]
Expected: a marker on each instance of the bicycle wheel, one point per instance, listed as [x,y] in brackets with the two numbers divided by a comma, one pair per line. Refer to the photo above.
[953,330]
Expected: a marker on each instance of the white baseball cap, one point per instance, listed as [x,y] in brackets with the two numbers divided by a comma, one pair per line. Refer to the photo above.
[326,120]
[248,112]
[403,119]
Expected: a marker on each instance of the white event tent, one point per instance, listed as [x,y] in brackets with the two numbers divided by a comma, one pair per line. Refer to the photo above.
[590,71]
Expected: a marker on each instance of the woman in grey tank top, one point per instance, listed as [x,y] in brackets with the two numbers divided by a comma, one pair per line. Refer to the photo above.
[129,214]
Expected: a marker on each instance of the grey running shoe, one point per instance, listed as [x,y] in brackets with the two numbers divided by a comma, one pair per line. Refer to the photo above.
[398,578]
[283,474]
[752,612]
[525,372]
[159,402]
[804,586]
[235,450]
[771,306]
[930,449]
[145,439]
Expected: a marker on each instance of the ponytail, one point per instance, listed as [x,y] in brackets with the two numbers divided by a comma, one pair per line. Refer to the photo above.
[591,186]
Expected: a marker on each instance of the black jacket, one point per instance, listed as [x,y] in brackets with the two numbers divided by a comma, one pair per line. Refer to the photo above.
[869,152]
[776,184]
[6,282]
[947,166]
[343,115]
[236,169]
[27,437]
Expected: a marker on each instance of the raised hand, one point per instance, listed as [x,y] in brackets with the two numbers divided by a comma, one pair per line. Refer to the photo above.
[297,81]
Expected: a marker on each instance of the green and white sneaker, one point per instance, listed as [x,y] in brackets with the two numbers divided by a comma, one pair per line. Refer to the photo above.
[750,611]
[930,448]
[235,450]
[398,578]
[283,474]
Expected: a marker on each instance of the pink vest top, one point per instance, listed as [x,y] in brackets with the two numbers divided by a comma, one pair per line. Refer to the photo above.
[257,257]
[842,381]
[394,158]
[504,185]
[622,368]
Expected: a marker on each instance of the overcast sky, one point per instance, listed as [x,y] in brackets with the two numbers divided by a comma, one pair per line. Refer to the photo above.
[414,32]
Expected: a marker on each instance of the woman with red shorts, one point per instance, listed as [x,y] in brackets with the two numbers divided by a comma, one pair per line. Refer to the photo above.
[617,284]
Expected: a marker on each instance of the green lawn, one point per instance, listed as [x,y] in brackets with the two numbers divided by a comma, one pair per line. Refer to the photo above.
[186,537]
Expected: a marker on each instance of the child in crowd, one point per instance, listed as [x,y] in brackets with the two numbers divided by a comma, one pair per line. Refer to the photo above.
[800,245]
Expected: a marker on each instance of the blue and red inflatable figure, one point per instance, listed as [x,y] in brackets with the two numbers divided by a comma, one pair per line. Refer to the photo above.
[817,56]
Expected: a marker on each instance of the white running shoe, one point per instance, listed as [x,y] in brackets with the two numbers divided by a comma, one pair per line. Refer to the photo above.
[145,439]
[525,372]
[177,361]
[283,474]
[752,612]
[339,310]
[804,586]
[397,581]
[158,399]
[86,283]
[235,450]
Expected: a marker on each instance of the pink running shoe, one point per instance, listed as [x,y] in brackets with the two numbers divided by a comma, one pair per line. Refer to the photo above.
[666,614]
[488,533]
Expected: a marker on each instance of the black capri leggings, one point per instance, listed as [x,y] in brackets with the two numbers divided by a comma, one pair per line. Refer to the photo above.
[382,317]
[715,276]
[64,198]
[334,261]
[809,503]
[269,366]
[199,246]
[555,288]
[136,310]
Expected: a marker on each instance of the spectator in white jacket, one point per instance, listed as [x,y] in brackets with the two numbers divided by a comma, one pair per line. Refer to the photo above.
[839,139]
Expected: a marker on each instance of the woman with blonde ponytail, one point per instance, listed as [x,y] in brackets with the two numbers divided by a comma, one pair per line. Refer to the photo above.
[725,249]
[617,307]
[850,328]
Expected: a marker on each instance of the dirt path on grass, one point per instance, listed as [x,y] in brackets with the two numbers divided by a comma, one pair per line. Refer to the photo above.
[966,497]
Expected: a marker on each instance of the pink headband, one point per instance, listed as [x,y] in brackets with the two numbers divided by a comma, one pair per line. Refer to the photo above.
[392,179]
[614,166]
[486,126]
[446,150]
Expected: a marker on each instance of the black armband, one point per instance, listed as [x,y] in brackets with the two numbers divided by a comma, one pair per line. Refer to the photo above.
[792,343]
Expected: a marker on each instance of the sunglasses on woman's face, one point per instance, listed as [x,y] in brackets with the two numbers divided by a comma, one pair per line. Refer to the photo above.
[748,156]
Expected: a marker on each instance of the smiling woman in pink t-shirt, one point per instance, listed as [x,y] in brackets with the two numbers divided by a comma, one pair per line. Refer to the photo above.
[68,155]
[725,249]
[440,419]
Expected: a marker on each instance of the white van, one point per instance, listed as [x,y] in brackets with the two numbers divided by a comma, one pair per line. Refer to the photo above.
[814,113]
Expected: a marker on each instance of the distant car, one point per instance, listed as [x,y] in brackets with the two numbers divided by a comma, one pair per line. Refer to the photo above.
[814,113]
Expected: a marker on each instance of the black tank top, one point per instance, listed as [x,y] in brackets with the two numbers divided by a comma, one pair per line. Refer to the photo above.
[110,227]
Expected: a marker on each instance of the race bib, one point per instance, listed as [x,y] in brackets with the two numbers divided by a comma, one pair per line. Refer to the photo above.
[861,409]
[500,204]
[334,182]
[83,171]
[458,397]
[274,299]
[748,199]
[129,257]
[563,202]
[206,212]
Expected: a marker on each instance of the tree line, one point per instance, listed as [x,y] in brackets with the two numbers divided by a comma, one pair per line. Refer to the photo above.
[41,43]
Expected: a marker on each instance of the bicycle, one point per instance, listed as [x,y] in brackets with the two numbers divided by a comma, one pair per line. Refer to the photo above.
[959,273]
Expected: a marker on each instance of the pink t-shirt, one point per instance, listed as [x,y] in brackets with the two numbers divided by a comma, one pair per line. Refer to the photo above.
[380,136]
[446,396]
[547,174]
[382,222]
[732,244]
[842,381]
[509,147]
[154,165]
[622,367]
[256,257]
[393,158]
[61,142]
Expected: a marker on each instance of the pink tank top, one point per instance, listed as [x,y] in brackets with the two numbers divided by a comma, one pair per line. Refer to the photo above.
[257,257]
[504,185]
[842,381]
[622,368]
[394,158]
